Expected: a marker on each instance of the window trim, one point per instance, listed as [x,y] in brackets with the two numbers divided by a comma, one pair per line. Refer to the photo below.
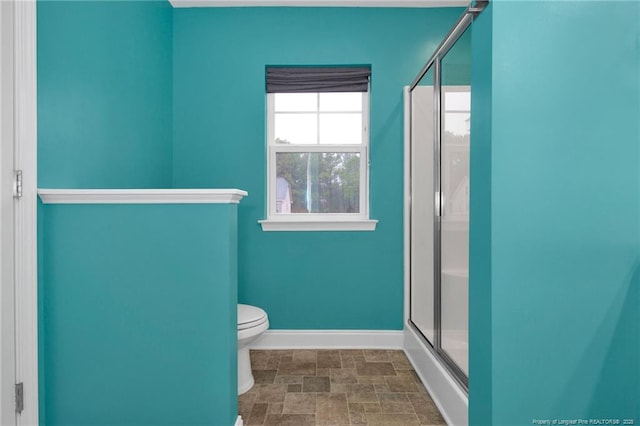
[318,221]
[319,225]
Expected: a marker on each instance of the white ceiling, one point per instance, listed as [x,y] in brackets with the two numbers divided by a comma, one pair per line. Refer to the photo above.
[319,3]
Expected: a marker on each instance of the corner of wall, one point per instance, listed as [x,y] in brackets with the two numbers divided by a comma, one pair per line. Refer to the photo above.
[171,172]
[480,314]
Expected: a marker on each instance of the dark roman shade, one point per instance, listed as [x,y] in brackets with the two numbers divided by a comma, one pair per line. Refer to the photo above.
[318,79]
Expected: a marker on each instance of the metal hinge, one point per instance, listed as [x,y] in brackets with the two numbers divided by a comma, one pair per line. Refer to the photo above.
[17,187]
[19,397]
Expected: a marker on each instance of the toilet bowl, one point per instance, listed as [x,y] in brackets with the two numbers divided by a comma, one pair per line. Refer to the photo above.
[252,322]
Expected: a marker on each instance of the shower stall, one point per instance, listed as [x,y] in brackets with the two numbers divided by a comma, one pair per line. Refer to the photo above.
[437,153]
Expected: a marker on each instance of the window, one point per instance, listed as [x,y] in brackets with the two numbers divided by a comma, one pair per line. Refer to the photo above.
[317,149]
[456,106]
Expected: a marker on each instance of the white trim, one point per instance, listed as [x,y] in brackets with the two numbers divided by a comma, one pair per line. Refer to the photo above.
[7,217]
[26,295]
[329,339]
[239,421]
[447,394]
[319,3]
[141,196]
[407,200]
[318,225]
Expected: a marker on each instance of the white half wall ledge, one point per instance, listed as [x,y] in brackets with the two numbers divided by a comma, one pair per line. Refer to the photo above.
[329,339]
[141,196]
[319,3]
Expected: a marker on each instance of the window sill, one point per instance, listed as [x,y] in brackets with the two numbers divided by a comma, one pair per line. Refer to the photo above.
[318,225]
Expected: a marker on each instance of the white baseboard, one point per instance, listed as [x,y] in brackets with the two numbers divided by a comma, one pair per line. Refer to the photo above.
[239,422]
[330,339]
[450,398]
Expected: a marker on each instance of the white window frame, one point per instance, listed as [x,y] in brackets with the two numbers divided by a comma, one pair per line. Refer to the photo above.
[318,221]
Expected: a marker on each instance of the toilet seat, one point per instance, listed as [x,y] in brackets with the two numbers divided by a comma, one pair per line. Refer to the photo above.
[250,316]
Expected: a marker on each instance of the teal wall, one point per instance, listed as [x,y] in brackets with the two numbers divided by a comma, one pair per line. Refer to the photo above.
[42,410]
[565,214]
[480,356]
[138,303]
[304,280]
[104,94]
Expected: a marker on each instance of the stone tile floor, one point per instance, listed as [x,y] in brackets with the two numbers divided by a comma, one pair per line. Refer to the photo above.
[336,387]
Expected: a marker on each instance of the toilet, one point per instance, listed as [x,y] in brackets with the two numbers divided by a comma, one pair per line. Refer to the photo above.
[252,322]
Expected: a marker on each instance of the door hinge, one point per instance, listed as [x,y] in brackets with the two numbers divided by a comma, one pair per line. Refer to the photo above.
[19,397]
[17,186]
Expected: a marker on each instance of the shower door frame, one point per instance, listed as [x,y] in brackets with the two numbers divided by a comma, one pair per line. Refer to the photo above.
[459,28]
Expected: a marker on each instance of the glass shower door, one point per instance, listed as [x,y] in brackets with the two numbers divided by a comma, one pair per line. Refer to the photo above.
[439,201]
[455,97]
[422,211]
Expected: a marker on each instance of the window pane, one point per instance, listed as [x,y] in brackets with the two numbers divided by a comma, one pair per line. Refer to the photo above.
[341,102]
[341,128]
[296,102]
[456,126]
[457,101]
[321,182]
[296,128]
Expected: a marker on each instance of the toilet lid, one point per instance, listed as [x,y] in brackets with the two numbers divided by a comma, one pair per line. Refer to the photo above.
[250,316]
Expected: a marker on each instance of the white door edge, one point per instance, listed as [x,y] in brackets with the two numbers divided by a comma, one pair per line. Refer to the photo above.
[26,276]
[7,311]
